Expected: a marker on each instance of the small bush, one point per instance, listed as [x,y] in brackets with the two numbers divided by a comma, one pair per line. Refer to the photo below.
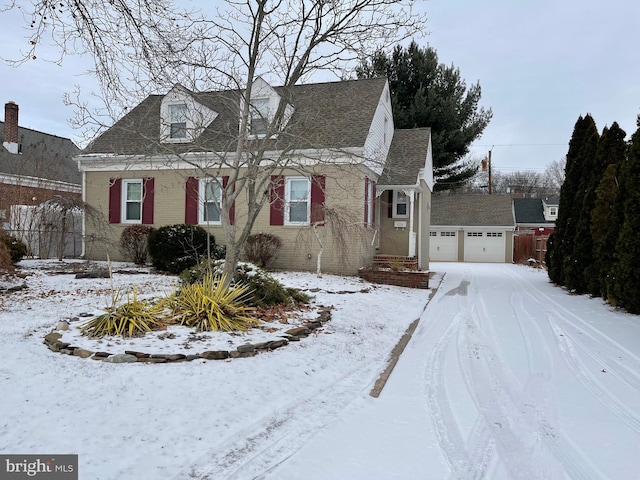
[16,248]
[132,319]
[208,305]
[174,248]
[134,243]
[262,248]
[265,290]
[6,264]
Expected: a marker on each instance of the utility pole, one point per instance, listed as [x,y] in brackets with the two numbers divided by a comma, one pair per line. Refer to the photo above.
[490,180]
[486,165]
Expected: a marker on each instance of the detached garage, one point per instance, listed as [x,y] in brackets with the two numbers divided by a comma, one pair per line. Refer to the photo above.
[471,228]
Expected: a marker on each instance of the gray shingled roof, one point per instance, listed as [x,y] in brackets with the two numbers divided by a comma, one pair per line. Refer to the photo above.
[43,156]
[407,155]
[327,115]
[472,210]
[529,210]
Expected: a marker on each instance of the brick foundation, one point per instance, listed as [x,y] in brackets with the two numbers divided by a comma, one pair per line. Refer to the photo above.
[399,278]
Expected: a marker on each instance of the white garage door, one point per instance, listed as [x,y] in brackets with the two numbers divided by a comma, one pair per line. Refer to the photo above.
[443,246]
[484,246]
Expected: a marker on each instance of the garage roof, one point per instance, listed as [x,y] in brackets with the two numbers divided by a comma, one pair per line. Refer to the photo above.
[472,210]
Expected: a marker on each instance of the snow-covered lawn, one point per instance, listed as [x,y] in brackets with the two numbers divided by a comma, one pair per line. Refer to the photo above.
[506,377]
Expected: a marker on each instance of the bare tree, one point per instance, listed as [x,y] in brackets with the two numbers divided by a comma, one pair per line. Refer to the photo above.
[553,176]
[141,46]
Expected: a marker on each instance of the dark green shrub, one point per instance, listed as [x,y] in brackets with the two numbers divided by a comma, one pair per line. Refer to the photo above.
[264,289]
[134,243]
[174,248]
[262,248]
[16,248]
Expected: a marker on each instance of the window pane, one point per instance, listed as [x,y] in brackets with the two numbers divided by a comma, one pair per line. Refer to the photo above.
[212,192]
[178,113]
[178,130]
[402,197]
[133,211]
[401,209]
[298,212]
[298,190]
[211,212]
[134,192]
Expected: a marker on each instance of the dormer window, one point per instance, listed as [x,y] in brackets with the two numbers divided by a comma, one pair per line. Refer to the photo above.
[182,118]
[178,121]
[259,116]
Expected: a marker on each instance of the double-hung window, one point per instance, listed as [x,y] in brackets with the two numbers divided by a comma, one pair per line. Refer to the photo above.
[259,116]
[132,201]
[297,193]
[400,204]
[210,200]
[178,121]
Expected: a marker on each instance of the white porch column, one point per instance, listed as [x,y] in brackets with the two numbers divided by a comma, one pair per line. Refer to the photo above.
[412,233]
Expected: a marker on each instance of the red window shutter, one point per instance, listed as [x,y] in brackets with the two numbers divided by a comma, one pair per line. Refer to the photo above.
[232,209]
[317,198]
[115,197]
[191,202]
[276,213]
[147,200]
[366,202]
[373,204]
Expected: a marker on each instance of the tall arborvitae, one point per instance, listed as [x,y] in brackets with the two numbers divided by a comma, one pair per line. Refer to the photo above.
[579,252]
[560,241]
[625,276]
[605,219]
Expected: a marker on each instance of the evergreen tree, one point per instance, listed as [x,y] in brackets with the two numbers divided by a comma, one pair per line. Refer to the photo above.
[625,277]
[605,220]
[425,93]
[579,254]
[559,244]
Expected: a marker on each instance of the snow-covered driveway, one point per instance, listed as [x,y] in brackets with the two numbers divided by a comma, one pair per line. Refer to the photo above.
[506,377]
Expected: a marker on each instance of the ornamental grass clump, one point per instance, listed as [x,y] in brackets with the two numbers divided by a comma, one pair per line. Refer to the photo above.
[211,305]
[131,319]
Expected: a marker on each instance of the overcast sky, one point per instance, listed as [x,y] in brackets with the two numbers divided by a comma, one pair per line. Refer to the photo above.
[540,64]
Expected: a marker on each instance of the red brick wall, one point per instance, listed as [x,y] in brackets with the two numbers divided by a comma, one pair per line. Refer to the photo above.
[411,279]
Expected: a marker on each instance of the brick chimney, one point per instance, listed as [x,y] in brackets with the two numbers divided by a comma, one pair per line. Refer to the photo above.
[11,127]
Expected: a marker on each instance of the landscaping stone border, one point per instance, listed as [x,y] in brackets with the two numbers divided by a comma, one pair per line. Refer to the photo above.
[53,341]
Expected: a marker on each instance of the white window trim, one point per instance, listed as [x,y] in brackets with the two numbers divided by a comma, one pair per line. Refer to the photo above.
[124,201]
[166,123]
[201,200]
[395,213]
[287,200]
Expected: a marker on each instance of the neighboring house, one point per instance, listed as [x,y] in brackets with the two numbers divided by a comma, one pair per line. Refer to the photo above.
[34,168]
[536,216]
[471,228]
[343,166]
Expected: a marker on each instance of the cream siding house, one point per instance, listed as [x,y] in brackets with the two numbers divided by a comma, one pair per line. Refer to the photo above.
[172,158]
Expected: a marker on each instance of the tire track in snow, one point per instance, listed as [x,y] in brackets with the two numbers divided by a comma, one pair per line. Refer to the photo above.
[603,349]
[257,449]
[504,403]
[590,382]
[444,422]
